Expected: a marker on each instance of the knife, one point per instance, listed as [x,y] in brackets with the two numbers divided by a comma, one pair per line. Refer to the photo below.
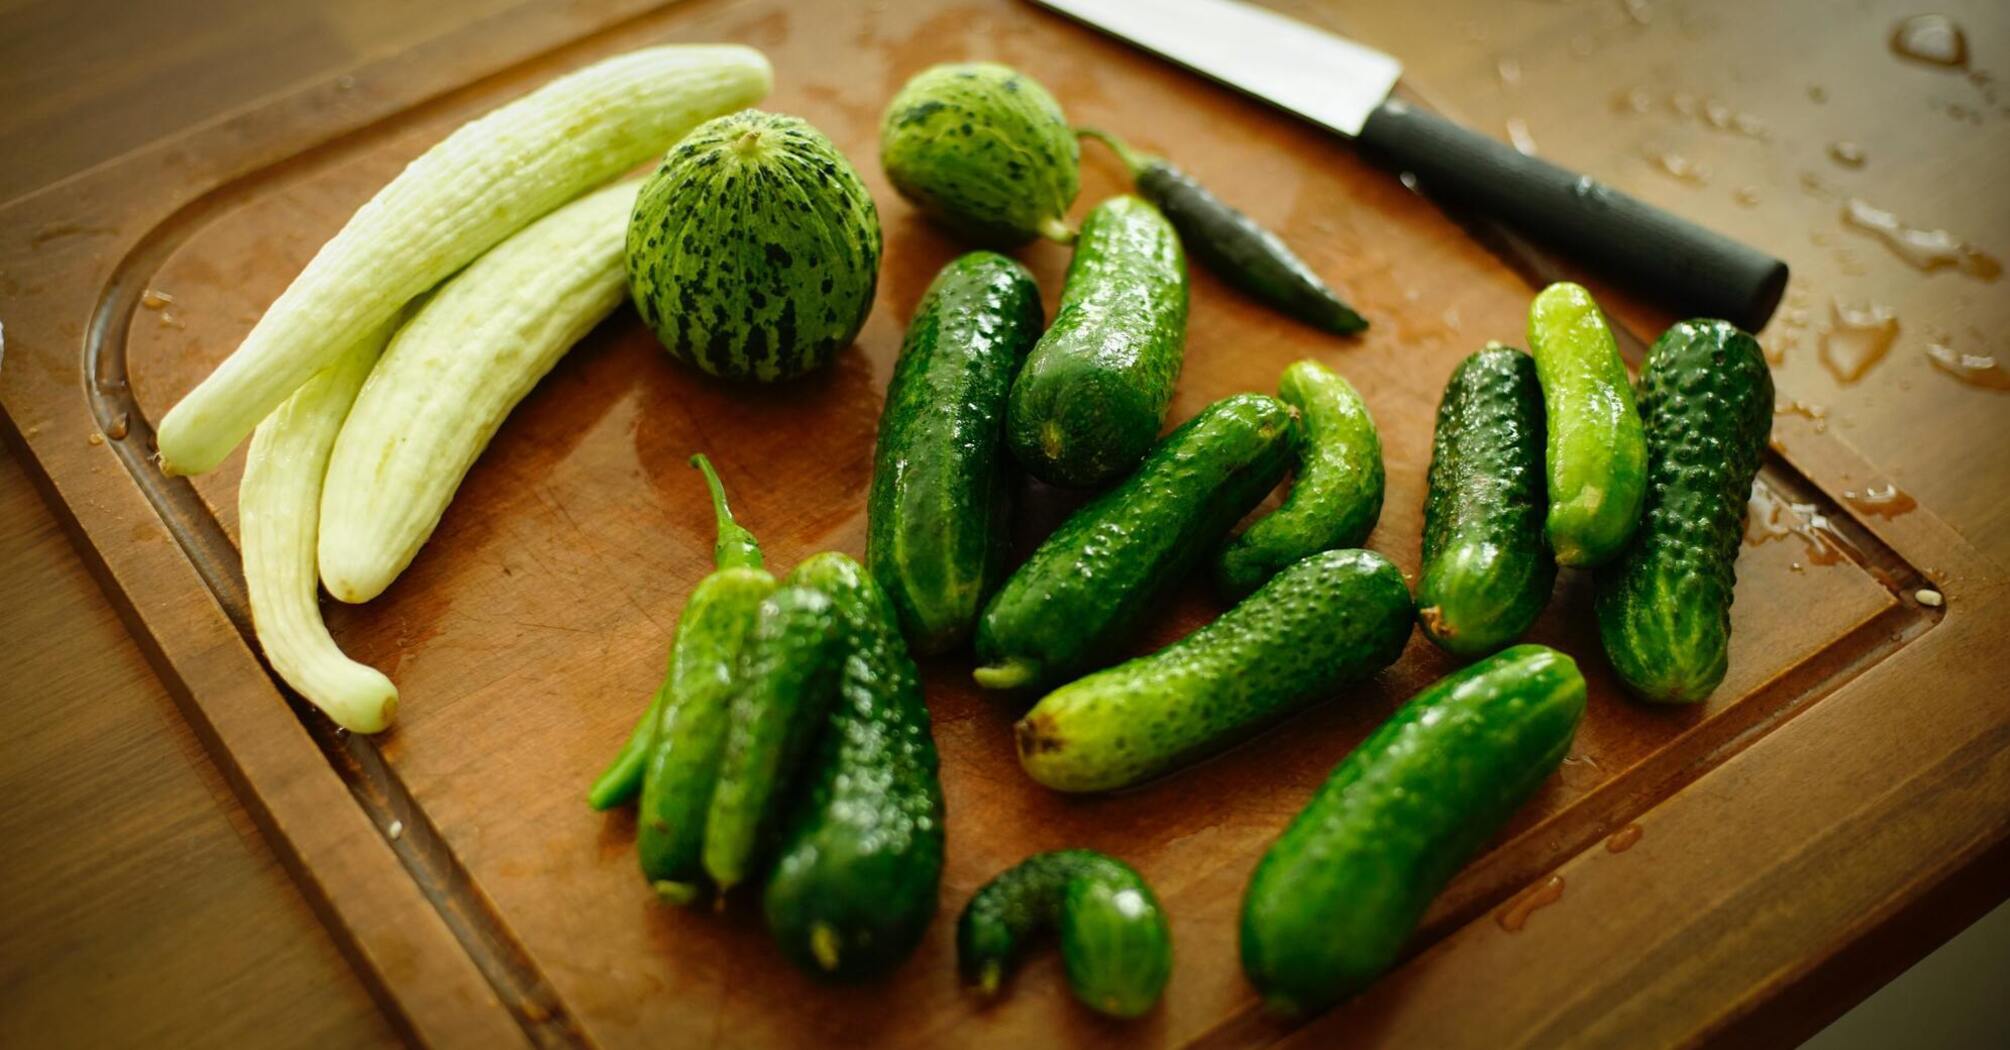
[1344,87]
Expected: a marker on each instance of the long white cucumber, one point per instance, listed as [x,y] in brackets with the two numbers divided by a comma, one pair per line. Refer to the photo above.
[484,182]
[278,505]
[452,374]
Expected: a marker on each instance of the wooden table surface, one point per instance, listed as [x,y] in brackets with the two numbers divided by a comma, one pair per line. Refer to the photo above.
[140,905]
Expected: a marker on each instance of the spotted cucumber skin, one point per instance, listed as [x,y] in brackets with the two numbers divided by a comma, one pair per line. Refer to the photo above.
[939,514]
[983,150]
[1664,608]
[753,251]
[1337,895]
[1115,942]
[1597,450]
[1094,392]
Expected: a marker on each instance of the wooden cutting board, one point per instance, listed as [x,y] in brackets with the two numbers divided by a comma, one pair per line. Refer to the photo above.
[454,857]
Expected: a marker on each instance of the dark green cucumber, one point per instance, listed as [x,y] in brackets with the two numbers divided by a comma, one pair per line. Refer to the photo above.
[1082,594]
[1597,456]
[1664,609]
[1095,390]
[860,867]
[1115,943]
[1338,894]
[1487,569]
[939,516]
[787,684]
[1336,496]
[1332,618]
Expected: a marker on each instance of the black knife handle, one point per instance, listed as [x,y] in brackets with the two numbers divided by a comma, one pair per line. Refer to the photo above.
[1694,270]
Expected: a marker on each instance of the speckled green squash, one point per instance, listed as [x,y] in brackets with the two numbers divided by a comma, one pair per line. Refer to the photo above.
[1115,942]
[984,150]
[753,252]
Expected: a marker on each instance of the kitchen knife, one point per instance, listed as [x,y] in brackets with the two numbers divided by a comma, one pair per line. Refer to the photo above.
[1345,87]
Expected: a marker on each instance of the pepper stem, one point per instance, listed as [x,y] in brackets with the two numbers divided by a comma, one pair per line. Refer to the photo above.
[1011,674]
[1134,162]
[735,547]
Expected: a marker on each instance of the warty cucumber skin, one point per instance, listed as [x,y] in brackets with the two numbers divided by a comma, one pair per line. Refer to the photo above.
[983,150]
[1487,569]
[1664,609]
[1335,498]
[1115,942]
[1335,898]
[859,871]
[939,514]
[1094,392]
[1332,618]
[1597,448]
[1090,585]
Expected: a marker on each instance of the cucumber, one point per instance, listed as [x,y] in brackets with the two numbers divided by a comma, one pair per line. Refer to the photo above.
[983,150]
[1487,569]
[1115,943]
[1664,609]
[1332,618]
[938,520]
[1094,392]
[1337,495]
[860,867]
[1090,585]
[1338,894]
[1597,455]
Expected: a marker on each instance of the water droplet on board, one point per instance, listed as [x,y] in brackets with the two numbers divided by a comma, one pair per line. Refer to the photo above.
[1623,839]
[1858,337]
[1519,137]
[1932,39]
[1814,185]
[1747,196]
[1409,180]
[154,300]
[1508,68]
[1717,114]
[1885,501]
[1683,103]
[1809,411]
[1678,167]
[1847,154]
[1634,100]
[1923,249]
[1639,11]
[1514,915]
[1770,516]
[1976,370]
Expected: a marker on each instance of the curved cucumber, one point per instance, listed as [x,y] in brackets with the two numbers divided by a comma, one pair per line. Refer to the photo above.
[1337,495]
[1336,896]
[1088,587]
[1332,618]
[939,516]
[1597,458]
[1664,609]
[1114,939]
[1487,570]
[1095,390]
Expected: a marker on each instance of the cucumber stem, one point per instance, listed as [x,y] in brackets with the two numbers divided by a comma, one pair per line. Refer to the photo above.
[1011,674]
[824,945]
[1134,162]
[735,547]
[678,893]
[1056,229]
[990,976]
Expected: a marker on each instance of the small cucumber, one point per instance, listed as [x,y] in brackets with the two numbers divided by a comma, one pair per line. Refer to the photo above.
[1338,894]
[1487,570]
[1115,943]
[1091,584]
[1664,609]
[860,867]
[939,516]
[1332,618]
[1597,458]
[1094,392]
[984,150]
[1335,498]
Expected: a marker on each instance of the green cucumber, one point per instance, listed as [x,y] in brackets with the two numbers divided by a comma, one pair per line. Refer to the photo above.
[1094,392]
[1338,894]
[1597,456]
[1664,609]
[1487,569]
[984,150]
[1115,943]
[1337,494]
[1332,618]
[938,520]
[860,867]
[1091,584]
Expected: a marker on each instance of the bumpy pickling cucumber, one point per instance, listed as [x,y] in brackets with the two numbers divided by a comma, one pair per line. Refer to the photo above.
[1094,392]
[1114,939]
[1597,454]
[1487,569]
[1337,494]
[984,150]
[1332,618]
[1089,586]
[939,516]
[1664,609]
[1336,896]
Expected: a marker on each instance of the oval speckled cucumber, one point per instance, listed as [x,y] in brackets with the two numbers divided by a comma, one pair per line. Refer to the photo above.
[1338,894]
[1487,570]
[938,520]
[1597,450]
[984,150]
[1336,496]
[754,249]
[1094,392]
[1091,583]
[1664,608]
[1115,942]
[1332,618]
